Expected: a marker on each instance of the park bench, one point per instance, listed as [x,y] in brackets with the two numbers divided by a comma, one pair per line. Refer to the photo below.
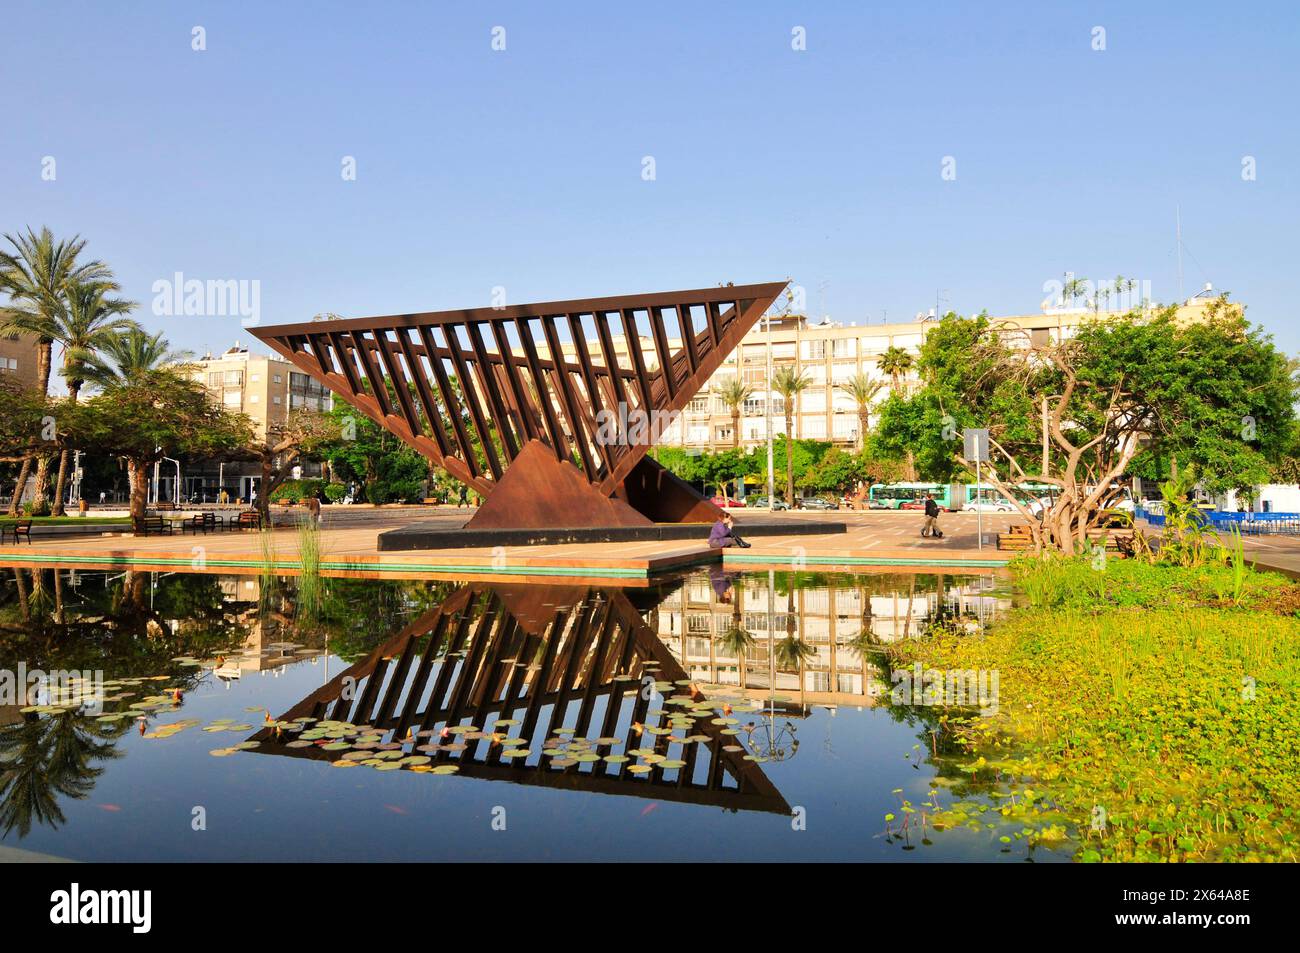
[1016,539]
[1019,539]
[201,523]
[22,528]
[155,525]
[249,519]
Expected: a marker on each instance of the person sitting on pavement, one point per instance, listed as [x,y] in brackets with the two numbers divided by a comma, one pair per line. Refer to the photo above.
[723,534]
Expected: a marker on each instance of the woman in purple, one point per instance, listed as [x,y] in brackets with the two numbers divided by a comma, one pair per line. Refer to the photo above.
[723,534]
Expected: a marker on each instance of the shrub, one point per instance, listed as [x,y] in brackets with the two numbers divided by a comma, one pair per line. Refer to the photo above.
[295,491]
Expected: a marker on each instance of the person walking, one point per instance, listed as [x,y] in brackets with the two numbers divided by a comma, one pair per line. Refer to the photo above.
[931,525]
[464,497]
[313,508]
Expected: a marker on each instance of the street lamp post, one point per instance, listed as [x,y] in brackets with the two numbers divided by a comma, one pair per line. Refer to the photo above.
[767,406]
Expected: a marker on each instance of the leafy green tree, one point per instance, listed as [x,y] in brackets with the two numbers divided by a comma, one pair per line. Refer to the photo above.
[386,467]
[161,414]
[1120,392]
[838,471]
[721,469]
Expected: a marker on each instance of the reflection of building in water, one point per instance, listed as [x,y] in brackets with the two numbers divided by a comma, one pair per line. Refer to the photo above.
[264,649]
[835,624]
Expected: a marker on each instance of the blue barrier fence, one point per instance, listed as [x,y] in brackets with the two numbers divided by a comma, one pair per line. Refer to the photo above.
[1248,524]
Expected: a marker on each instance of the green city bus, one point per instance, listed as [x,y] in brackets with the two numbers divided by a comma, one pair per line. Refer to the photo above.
[949,496]
[952,496]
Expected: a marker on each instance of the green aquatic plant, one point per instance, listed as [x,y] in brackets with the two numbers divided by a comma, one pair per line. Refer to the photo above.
[1161,724]
[309,562]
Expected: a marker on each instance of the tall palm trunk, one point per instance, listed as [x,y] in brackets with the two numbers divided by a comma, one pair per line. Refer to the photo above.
[43,354]
[789,455]
[139,488]
[24,473]
[60,484]
[864,421]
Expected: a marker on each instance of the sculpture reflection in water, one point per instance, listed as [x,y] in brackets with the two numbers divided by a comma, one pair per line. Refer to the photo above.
[562,687]
[689,690]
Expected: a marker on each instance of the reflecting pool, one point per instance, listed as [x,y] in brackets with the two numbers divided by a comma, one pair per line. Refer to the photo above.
[709,716]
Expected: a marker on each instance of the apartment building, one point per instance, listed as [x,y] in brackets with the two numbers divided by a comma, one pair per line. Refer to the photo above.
[829,354]
[694,623]
[264,387]
[18,359]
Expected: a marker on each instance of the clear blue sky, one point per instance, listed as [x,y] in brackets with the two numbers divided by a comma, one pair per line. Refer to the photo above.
[523,168]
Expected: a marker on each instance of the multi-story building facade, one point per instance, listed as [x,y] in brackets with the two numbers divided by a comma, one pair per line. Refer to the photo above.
[265,388]
[829,354]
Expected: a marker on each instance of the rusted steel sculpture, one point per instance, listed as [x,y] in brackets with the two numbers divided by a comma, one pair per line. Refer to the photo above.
[545,410]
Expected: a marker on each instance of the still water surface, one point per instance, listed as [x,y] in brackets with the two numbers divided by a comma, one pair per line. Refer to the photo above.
[711,716]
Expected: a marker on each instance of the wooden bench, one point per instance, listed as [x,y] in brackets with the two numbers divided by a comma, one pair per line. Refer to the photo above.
[249,519]
[17,530]
[1016,539]
[1020,540]
[201,523]
[152,524]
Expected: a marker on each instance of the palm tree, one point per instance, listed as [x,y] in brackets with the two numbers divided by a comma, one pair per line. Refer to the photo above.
[789,383]
[130,357]
[733,395]
[895,362]
[91,321]
[863,390]
[36,276]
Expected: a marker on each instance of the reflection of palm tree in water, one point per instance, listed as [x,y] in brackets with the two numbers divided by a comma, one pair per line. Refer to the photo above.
[738,640]
[792,652]
[45,758]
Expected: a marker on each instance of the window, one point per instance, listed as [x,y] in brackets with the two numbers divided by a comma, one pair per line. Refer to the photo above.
[253,398]
[277,379]
[276,399]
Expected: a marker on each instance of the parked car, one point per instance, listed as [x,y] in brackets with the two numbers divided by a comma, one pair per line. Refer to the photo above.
[876,505]
[912,505]
[727,504]
[761,501]
[817,503]
[988,506]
